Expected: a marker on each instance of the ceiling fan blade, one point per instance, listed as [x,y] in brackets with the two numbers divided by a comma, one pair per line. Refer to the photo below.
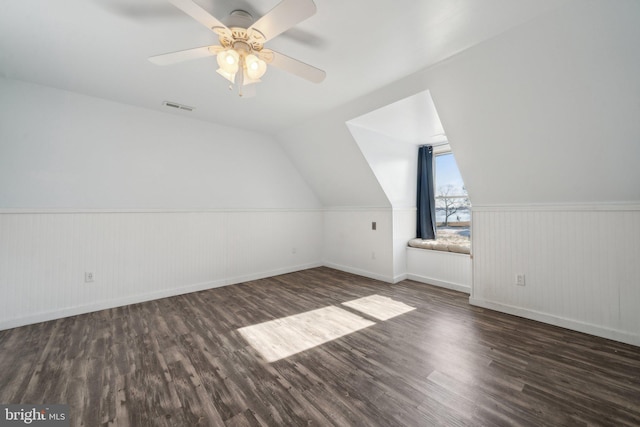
[283,16]
[292,66]
[198,13]
[185,55]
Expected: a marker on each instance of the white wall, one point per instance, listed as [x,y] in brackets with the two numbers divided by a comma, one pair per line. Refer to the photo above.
[333,165]
[543,115]
[351,245]
[153,204]
[404,229]
[139,256]
[65,150]
[548,112]
[445,269]
[580,265]
[327,156]
[394,163]
[540,116]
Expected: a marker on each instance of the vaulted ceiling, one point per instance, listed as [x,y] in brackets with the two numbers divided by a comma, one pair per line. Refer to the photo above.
[100,48]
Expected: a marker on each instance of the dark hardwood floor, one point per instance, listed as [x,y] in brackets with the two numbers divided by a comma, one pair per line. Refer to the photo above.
[183,361]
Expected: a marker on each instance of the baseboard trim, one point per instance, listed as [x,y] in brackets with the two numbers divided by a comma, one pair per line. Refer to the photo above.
[400,277]
[440,283]
[563,322]
[359,272]
[271,273]
[149,296]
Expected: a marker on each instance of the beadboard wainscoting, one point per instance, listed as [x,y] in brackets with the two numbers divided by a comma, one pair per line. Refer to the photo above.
[139,256]
[580,266]
[404,229]
[351,245]
[445,269]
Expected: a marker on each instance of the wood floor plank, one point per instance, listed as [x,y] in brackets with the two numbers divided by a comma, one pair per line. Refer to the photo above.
[182,361]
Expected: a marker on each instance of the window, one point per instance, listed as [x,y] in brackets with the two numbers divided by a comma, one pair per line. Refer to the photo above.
[453,210]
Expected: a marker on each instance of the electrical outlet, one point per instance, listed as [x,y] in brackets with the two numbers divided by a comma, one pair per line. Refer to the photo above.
[294,250]
[373,255]
[88,277]
[374,226]
[520,280]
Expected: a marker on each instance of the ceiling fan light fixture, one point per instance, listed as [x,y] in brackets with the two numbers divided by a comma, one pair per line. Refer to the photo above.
[248,80]
[256,67]
[229,61]
[229,76]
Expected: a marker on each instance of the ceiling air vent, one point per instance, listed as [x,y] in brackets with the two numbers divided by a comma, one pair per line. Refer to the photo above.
[177,106]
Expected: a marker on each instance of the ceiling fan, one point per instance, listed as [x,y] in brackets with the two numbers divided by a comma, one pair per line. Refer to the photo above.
[241,55]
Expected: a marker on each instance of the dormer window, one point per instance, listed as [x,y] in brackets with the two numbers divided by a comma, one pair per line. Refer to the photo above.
[453,209]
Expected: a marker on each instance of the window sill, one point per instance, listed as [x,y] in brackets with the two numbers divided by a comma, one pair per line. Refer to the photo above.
[436,245]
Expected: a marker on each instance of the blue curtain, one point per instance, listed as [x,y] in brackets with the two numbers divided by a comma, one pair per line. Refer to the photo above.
[426,203]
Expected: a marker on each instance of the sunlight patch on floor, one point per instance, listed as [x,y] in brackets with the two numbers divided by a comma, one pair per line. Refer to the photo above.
[280,338]
[379,307]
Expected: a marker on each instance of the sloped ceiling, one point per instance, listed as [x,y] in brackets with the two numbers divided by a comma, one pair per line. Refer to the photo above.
[539,98]
[389,138]
[546,113]
[100,48]
[549,113]
[413,120]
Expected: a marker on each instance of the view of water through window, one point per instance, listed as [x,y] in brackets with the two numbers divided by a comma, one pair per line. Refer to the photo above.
[453,209]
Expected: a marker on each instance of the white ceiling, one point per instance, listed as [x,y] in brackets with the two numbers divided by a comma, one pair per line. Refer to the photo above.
[100,48]
[413,120]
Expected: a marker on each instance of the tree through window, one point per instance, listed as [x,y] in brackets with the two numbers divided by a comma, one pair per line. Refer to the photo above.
[453,209]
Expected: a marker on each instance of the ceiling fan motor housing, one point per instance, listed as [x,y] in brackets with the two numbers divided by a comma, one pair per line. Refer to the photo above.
[237,35]
[239,18]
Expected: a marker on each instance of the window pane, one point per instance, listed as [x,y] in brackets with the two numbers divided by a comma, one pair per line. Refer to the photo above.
[448,175]
[453,214]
